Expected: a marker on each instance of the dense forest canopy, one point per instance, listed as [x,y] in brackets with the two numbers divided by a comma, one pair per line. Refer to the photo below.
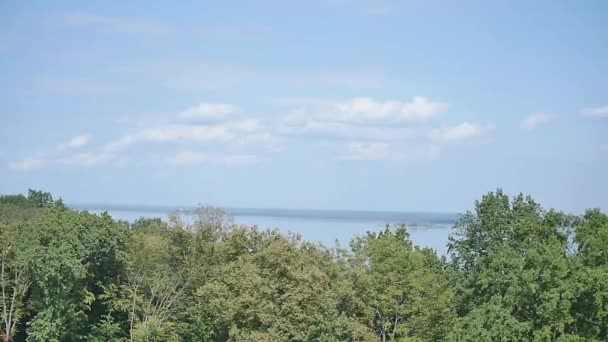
[516,272]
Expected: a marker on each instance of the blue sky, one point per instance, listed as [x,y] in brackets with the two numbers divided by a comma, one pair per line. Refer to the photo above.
[327,104]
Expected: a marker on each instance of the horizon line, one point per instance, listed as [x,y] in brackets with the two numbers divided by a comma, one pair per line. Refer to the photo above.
[165,207]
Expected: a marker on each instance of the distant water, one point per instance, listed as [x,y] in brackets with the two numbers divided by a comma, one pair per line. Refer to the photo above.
[323,226]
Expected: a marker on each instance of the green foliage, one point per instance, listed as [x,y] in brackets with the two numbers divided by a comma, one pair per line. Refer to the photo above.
[69,255]
[276,288]
[399,289]
[592,277]
[515,263]
[40,199]
[107,330]
[19,201]
[516,272]
[490,322]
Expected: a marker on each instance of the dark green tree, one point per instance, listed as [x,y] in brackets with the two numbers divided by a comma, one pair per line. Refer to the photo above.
[513,257]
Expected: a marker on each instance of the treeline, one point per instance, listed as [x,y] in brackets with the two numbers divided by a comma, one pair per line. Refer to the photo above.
[516,272]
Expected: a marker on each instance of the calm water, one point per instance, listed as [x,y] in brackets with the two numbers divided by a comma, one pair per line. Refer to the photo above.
[326,227]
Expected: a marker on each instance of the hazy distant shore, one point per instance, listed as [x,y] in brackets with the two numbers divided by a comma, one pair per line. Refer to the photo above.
[414,219]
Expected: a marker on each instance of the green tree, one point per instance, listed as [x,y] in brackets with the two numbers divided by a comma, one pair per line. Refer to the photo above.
[40,199]
[18,201]
[513,255]
[272,288]
[70,256]
[400,291]
[154,287]
[14,280]
[107,330]
[591,307]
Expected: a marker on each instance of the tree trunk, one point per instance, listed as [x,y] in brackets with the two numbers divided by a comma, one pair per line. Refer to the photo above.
[5,314]
[395,328]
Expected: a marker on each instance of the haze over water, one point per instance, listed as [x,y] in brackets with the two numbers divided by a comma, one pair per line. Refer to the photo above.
[323,226]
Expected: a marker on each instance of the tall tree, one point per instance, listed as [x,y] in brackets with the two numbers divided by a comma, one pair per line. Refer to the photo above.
[40,199]
[14,280]
[514,256]
[592,249]
[71,256]
[400,291]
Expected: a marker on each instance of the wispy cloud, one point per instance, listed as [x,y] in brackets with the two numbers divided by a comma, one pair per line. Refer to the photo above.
[379,7]
[208,111]
[365,109]
[75,142]
[187,158]
[66,85]
[302,122]
[537,120]
[461,132]
[377,129]
[129,25]
[123,119]
[201,74]
[221,132]
[75,160]
[240,33]
[596,112]
[303,101]
[29,163]
[374,130]
[109,23]
[365,150]
[223,136]
[85,159]
[362,117]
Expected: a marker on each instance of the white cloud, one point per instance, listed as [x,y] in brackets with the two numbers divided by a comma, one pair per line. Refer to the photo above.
[300,122]
[596,113]
[239,134]
[75,142]
[377,128]
[208,111]
[463,131]
[536,120]
[224,132]
[196,158]
[365,110]
[362,117]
